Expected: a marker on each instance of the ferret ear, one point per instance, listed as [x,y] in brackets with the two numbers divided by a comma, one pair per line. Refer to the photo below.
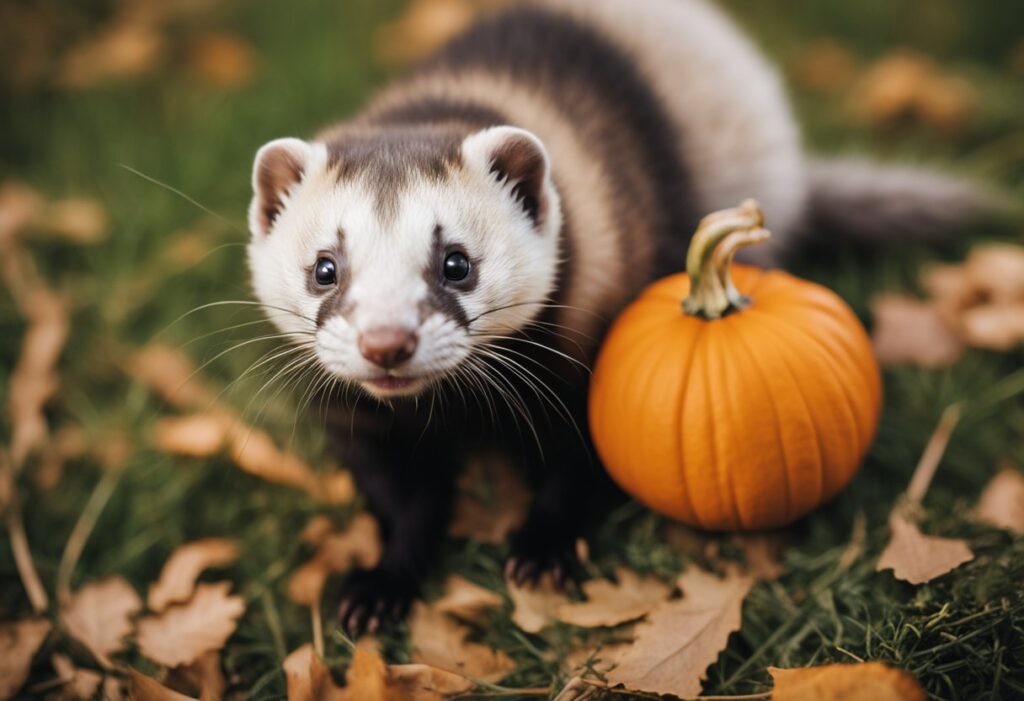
[280,165]
[518,158]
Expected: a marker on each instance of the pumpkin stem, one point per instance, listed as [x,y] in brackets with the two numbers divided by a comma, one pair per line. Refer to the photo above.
[718,238]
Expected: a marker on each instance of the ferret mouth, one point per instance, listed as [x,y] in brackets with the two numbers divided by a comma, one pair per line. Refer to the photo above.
[393,386]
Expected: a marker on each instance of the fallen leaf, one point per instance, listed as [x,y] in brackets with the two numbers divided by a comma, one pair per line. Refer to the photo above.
[19,641]
[179,574]
[867,681]
[997,327]
[34,379]
[492,503]
[222,60]
[467,601]
[204,676]
[99,616]
[918,558]
[534,607]
[367,676]
[997,270]
[307,678]
[77,219]
[358,545]
[951,290]
[423,27]
[336,487]
[613,603]
[1002,503]
[438,640]
[255,452]
[680,639]
[19,206]
[144,688]
[761,551]
[601,658]
[825,65]
[910,331]
[168,373]
[124,50]
[314,532]
[197,436]
[183,632]
[420,682]
[77,684]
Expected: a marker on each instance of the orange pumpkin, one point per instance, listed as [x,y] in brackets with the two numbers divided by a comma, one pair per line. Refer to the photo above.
[734,406]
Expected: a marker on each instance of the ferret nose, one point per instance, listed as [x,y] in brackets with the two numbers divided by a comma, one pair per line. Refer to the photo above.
[387,346]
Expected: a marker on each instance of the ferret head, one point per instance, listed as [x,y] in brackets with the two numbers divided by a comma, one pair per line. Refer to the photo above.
[396,254]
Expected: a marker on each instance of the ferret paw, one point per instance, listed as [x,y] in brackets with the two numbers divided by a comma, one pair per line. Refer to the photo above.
[374,597]
[533,555]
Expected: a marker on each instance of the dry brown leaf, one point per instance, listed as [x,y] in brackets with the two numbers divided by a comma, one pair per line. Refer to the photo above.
[222,60]
[307,677]
[613,603]
[183,632]
[1002,503]
[314,532]
[439,641]
[423,27]
[168,373]
[420,682]
[179,574]
[534,607]
[367,676]
[910,331]
[19,207]
[336,487]
[951,291]
[197,436]
[601,658]
[358,545]
[77,684]
[99,616]
[918,558]
[674,647]
[997,327]
[492,503]
[466,601]
[255,452]
[19,641]
[77,219]
[997,271]
[144,688]
[867,681]
[34,379]
[825,65]
[762,551]
[127,49]
[204,677]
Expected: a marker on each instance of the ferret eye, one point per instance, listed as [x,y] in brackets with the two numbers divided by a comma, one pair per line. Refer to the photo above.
[326,272]
[456,266]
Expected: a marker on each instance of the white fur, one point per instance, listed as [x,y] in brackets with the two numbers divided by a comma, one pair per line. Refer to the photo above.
[385,261]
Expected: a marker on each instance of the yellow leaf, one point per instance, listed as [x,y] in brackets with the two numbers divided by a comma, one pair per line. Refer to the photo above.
[179,574]
[674,647]
[1002,503]
[19,641]
[183,632]
[99,616]
[918,558]
[867,681]
[439,641]
[613,603]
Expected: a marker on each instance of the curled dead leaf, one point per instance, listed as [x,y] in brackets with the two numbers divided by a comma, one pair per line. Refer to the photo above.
[918,558]
[681,638]
[19,641]
[613,603]
[907,330]
[1002,503]
[867,681]
[439,641]
[183,632]
[179,574]
[99,615]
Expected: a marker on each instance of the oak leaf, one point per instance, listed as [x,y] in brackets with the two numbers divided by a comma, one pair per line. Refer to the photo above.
[681,638]
[866,681]
[907,330]
[492,503]
[19,641]
[535,606]
[179,574]
[99,616]
[466,601]
[1002,503]
[918,558]
[613,603]
[440,641]
[183,632]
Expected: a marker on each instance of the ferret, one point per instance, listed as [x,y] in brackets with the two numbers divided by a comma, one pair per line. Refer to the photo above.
[456,250]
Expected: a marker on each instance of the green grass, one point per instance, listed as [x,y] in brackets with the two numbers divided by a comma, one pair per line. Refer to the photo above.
[961,635]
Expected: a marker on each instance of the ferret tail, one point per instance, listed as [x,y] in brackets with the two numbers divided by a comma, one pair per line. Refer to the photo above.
[865,201]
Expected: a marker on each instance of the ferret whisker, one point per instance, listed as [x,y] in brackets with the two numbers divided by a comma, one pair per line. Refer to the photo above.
[566,356]
[191,200]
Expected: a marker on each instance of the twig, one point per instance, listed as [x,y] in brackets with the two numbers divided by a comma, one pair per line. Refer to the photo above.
[82,530]
[932,455]
[23,557]
[318,629]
